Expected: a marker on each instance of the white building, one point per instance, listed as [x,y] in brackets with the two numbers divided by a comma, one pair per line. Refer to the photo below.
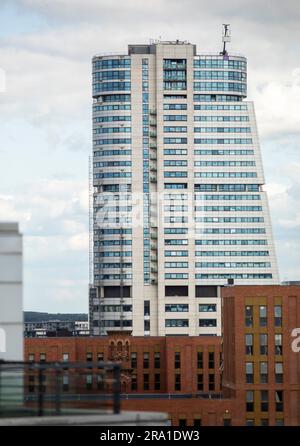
[174,134]
[11,306]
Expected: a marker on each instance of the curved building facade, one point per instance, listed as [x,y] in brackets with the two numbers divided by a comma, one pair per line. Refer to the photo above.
[179,205]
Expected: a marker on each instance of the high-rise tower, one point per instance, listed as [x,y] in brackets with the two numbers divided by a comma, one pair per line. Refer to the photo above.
[179,206]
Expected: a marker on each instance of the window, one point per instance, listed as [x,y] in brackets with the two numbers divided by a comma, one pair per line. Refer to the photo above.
[278,315]
[207,322]
[211,360]
[31,357]
[146,381]
[133,382]
[65,382]
[264,422]
[249,372]
[157,360]
[177,385]
[89,382]
[197,422]
[249,344]
[89,358]
[133,360]
[146,360]
[264,401]
[200,385]
[147,325]
[249,316]
[200,360]
[157,381]
[279,400]
[177,360]
[182,422]
[227,422]
[211,381]
[249,401]
[147,308]
[263,344]
[176,322]
[263,372]
[42,357]
[278,372]
[278,344]
[249,422]
[177,308]
[263,316]
[65,357]
[207,307]
[279,422]
[100,356]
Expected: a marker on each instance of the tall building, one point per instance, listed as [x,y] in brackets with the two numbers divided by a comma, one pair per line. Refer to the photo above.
[11,303]
[179,206]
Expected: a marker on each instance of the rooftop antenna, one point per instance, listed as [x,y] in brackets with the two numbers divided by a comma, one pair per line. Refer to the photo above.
[226,37]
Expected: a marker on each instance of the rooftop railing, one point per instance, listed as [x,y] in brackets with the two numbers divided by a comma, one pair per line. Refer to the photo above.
[58,388]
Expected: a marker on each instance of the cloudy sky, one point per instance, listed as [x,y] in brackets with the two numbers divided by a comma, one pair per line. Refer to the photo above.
[45,118]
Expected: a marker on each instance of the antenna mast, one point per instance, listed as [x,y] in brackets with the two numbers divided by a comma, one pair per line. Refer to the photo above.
[226,37]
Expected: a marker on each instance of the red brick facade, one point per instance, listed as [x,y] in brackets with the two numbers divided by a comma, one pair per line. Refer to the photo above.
[188,372]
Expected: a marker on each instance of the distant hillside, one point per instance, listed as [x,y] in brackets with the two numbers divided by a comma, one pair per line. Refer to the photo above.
[35,316]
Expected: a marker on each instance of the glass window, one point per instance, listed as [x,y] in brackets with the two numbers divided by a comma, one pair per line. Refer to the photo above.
[279,400]
[200,385]
[211,360]
[157,360]
[249,316]
[211,382]
[263,316]
[249,344]
[134,382]
[157,381]
[278,344]
[279,372]
[207,322]
[177,385]
[278,315]
[133,360]
[200,360]
[146,361]
[263,372]
[250,401]
[89,382]
[146,381]
[207,307]
[263,339]
[264,401]
[249,372]
[177,360]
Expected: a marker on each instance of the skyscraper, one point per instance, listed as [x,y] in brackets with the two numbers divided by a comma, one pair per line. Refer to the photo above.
[179,206]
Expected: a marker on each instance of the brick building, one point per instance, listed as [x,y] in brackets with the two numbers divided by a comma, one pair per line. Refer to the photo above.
[260,368]
[254,381]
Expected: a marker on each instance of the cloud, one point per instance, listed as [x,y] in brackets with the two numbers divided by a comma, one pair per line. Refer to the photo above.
[45,117]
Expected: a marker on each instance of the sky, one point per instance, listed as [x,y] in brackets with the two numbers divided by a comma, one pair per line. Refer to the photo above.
[46,48]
